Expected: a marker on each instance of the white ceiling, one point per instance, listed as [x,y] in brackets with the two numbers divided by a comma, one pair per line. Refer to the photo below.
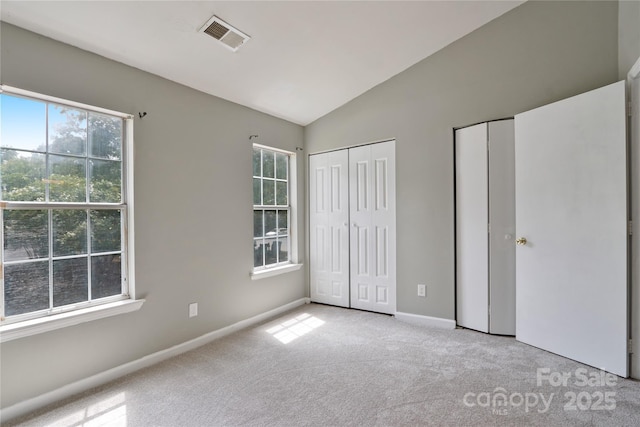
[304,59]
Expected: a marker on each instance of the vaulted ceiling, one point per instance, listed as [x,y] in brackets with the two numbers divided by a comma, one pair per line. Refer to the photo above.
[304,58]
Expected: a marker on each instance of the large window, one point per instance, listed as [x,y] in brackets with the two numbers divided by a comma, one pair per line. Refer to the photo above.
[271,208]
[63,176]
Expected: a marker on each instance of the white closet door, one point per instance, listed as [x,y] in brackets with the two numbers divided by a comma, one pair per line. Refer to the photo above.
[373,231]
[472,221]
[329,228]
[571,206]
[502,217]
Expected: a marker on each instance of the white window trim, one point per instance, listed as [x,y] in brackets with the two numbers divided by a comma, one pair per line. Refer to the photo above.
[39,325]
[25,328]
[275,271]
[292,265]
[61,101]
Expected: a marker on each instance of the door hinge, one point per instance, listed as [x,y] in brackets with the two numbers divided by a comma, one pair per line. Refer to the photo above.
[630,228]
[489,228]
[629,108]
[630,346]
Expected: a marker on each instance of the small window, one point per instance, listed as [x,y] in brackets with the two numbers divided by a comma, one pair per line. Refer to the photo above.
[63,182]
[272,208]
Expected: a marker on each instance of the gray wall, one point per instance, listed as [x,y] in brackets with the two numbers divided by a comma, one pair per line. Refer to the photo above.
[193,214]
[535,54]
[629,36]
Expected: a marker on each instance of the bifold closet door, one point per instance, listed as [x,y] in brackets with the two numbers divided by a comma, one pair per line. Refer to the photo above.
[373,227]
[485,227]
[472,223]
[352,227]
[329,227]
[502,220]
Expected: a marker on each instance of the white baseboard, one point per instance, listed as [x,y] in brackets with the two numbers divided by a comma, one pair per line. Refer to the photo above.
[30,405]
[416,319]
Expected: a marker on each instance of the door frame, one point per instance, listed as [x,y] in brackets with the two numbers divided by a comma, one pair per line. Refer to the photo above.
[633,191]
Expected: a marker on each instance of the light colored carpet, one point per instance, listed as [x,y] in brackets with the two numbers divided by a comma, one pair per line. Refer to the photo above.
[346,367]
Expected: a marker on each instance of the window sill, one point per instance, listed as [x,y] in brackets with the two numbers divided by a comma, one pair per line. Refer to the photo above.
[270,272]
[49,323]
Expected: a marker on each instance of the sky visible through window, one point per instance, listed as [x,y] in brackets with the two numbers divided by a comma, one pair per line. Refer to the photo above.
[23,123]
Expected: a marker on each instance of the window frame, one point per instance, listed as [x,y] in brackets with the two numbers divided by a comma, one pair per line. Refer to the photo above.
[25,324]
[258,272]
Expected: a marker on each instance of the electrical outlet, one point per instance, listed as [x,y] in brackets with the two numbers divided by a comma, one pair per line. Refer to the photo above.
[193,309]
[422,290]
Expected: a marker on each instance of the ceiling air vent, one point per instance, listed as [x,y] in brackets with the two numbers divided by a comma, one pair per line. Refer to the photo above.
[231,37]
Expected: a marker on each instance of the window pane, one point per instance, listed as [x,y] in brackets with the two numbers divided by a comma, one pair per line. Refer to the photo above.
[105,136]
[25,234]
[257,188]
[271,251]
[258,250]
[270,223]
[105,230]
[26,287]
[283,249]
[22,123]
[258,230]
[281,193]
[106,276]
[67,130]
[283,224]
[270,237]
[281,165]
[268,164]
[256,161]
[22,176]
[283,239]
[69,232]
[269,197]
[67,179]
[70,281]
[105,181]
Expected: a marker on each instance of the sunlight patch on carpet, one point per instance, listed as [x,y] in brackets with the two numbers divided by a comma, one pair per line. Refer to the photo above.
[111,412]
[291,329]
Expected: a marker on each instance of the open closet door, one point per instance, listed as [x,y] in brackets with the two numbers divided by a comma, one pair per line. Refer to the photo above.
[571,207]
[472,234]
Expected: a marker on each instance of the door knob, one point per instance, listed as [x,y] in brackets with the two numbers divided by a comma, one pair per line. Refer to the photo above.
[521,241]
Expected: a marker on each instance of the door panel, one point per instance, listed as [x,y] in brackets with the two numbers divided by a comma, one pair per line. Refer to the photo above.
[502,217]
[382,251]
[571,206]
[362,187]
[328,225]
[362,248]
[373,269]
[472,241]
